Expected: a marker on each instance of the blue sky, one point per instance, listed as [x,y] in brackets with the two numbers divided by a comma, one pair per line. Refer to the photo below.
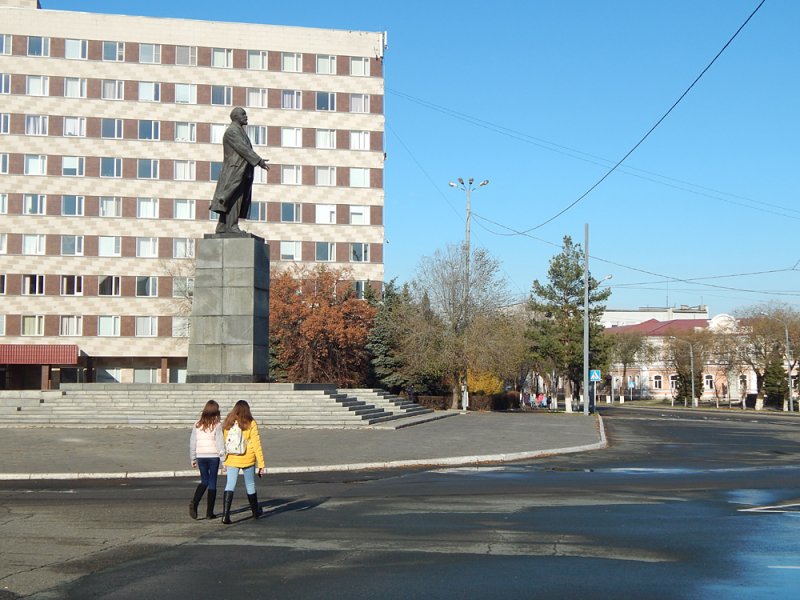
[543,97]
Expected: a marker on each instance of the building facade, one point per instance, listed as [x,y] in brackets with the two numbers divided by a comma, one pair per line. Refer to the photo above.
[110,146]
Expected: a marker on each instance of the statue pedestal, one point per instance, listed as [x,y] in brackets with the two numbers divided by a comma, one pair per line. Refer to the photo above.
[229,333]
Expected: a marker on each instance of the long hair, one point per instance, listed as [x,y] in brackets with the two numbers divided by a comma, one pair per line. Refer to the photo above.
[209,417]
[239,414]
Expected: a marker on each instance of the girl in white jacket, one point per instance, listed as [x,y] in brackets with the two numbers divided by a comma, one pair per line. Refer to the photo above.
[206,448]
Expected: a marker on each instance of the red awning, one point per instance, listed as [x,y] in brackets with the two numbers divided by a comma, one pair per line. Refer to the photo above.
[43,354]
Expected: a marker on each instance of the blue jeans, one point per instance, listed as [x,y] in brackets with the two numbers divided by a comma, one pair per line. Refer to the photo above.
[249,478]
[208,471]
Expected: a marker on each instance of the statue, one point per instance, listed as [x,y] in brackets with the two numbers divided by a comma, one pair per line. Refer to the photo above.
[235,184]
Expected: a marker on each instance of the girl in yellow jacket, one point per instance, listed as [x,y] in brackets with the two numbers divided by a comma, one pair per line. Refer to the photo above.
[246,462]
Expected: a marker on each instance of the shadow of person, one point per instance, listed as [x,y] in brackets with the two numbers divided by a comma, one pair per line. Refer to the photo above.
[276,506]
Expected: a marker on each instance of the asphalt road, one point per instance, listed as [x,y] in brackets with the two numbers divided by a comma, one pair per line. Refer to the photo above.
[682,505]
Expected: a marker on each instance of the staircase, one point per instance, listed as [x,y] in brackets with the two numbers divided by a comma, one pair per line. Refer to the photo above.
[273,405]
[387,401]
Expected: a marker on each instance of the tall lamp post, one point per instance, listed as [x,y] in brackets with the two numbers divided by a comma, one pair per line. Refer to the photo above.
[788,360]
[691,368]
[468,188]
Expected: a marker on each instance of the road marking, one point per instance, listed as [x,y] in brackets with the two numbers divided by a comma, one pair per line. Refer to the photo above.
[783,567]
[781,508]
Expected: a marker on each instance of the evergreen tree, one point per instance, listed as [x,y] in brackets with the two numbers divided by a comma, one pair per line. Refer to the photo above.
[775,383]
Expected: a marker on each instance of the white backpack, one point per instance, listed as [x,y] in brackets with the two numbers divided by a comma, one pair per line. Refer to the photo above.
[235,442]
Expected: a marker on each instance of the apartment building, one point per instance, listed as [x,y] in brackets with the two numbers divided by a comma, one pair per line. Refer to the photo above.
[110,146]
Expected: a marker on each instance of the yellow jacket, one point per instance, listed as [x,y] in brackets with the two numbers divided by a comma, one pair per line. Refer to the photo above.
[253,455]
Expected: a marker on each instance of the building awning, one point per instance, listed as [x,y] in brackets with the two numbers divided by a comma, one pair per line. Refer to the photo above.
[38,354]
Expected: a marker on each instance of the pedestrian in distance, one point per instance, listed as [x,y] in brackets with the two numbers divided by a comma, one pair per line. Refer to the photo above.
[206,449]
[244,453]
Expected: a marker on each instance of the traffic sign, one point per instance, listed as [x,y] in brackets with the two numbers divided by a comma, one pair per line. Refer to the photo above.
[594,375]
[631,384]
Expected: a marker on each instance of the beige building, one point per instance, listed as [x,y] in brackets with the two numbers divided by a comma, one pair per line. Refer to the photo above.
[110,144]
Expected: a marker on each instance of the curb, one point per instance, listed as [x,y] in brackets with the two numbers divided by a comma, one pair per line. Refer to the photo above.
[453,461]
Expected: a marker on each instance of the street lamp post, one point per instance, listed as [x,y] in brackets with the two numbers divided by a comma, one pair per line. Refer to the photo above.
[691,368]
[788,360]
[468,188]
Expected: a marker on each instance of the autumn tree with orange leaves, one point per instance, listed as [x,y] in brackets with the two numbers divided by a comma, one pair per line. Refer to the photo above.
[318,327]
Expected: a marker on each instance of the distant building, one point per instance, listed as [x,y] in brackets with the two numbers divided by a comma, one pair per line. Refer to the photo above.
[616,317]
[110,144]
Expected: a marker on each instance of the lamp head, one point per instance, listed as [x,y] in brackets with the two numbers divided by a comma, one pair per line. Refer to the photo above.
[461,181]
[483,183]
[451,184]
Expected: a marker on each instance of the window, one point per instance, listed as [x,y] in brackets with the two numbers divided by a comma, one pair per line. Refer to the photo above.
[657,382]
[183,248]
[257,60]
[114,51]
[74,87]
[111,129]
[326,139]
[74,127]
[108,326]
[185,132]
[359,288]
[38,45]
[359,215]
[359,66]
[3,249]
[257,212]
[359,177]
[76,49]
[257,134]
[150,54]
[109,245]
[359,103]
[326,65]
[325,251]
[149,91]
[182,287]
[2,324]
[221,95]
[186,55]
[110,167]
[112,89]
[3,204]
[215,168]
[108,285]
[183,209]
[72,166]
[107,375]
[149,130]
[222,58]
[180,326]
[359,140]
[35,125]
[217,132]
[5,122]
[326,176]
[32,285]
[326,101]
[291,250]
[359,252]
[5,43]
[257,97]
[673,382]
[4,163]
[291,62]
[260,176]
[32,325]
[34,204]
[146,327]
[708,383]
[325,214]
[290,212]
[70,325]
[147,247]
[71,245]
[147,286]
[291,137]
[147,208]
[72,285]
[292,99]
[5,83]
[185,93]
[147,168]
[37,85]
[110,206]
[185,170]
[33,244]
[291,174]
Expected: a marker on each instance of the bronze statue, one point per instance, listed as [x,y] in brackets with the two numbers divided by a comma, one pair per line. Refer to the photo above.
[235,184]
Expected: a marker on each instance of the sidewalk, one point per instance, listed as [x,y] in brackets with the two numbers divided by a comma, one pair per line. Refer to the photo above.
[45,452]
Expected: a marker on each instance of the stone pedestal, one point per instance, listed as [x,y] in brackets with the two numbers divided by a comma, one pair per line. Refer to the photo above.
[229,336]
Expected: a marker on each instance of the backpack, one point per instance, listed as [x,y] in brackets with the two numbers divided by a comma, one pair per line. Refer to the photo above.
[234,441]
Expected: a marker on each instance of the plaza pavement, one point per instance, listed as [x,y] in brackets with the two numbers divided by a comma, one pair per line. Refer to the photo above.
[52,452]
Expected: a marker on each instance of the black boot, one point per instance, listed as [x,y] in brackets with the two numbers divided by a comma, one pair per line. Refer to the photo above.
[253,500]
[198,493]
[227,500]
[210,499]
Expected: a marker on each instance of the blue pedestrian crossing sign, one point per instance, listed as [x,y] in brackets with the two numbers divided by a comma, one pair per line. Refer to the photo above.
[594,375]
